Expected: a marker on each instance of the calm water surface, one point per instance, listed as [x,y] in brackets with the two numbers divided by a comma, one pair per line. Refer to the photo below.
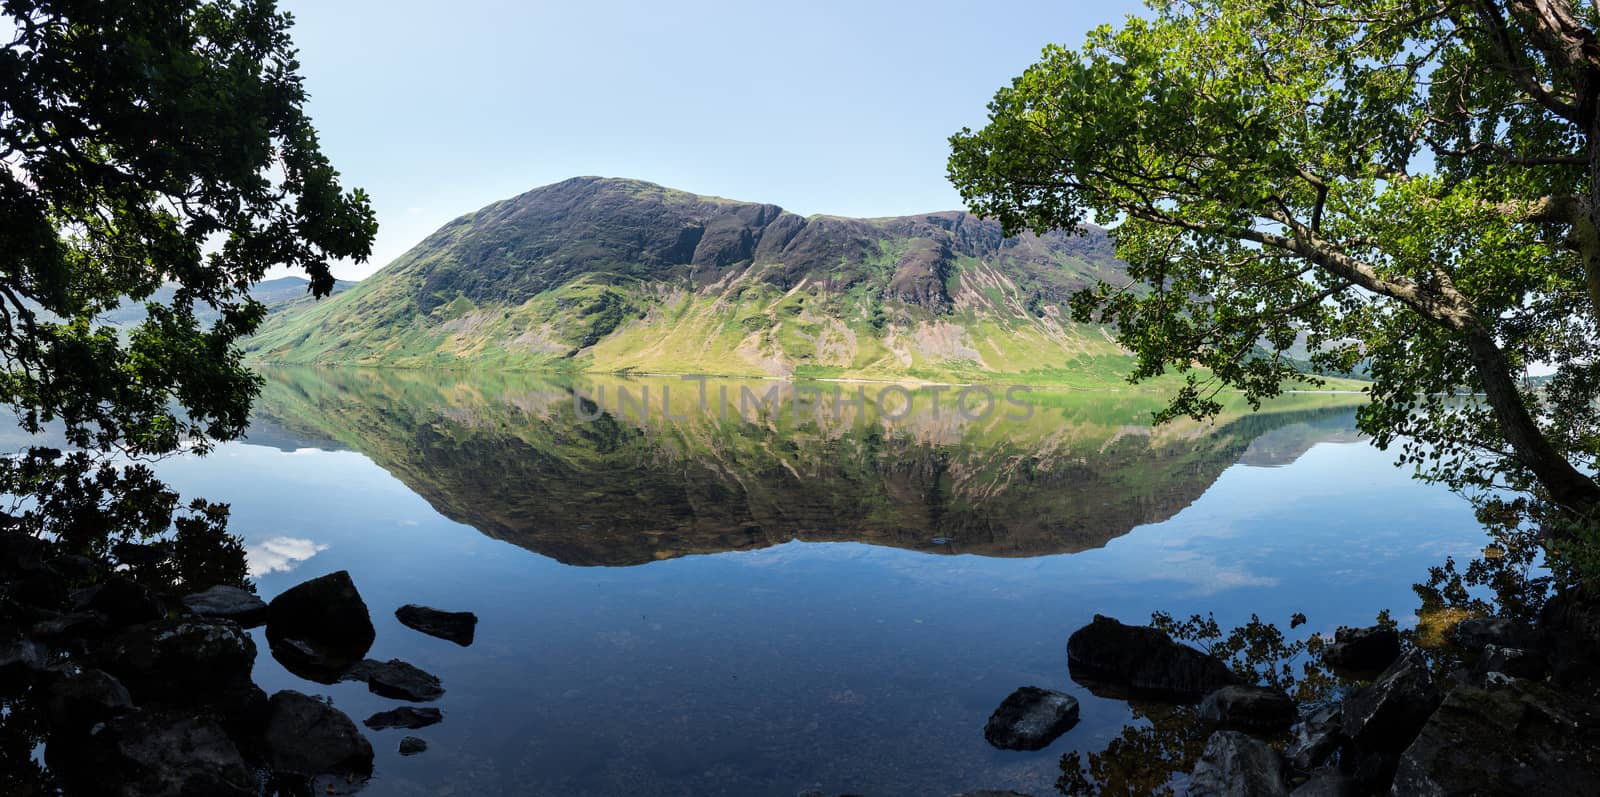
[713,605]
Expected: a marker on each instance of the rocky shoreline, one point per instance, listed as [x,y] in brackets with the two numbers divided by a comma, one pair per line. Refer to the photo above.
[136,692]
[1506,708]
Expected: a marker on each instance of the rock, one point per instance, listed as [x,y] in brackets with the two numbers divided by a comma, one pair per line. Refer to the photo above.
[1362,650]
[1515,662]
[1237,765]
[77,701]
[73,624]
[308,738]
[1569,627]
[74,568]
[1387,715]
[1030,719]
[991,793]
[1316,738]
[134,554]
[228,603]
[396,679]
[122,602]
[406,717]
[1253,709]
[145,755]
[309,661]
[457,627]
[1328,783]
[1521,738]
[411,745]
[1142,661]
[187,661]
[328,624]
[1474,634]
[325,615]
[21,553]
[21,660]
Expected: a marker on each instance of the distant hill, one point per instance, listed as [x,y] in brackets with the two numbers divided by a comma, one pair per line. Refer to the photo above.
[618,275]
[276,294]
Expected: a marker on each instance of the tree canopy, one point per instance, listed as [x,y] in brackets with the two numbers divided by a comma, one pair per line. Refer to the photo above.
[144,144]
[1411,187]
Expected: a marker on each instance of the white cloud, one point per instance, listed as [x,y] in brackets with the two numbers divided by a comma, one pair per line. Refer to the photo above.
[279,554]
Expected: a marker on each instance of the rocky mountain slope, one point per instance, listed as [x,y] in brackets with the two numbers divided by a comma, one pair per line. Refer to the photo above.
[617,275]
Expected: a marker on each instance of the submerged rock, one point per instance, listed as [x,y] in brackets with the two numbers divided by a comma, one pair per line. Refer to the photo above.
[1514,738]
[412,745]
[1143,661]
[1387,715]
[228,603]
[1362,650]
[407,717]
[397,679]
[320,628]
[306,737]
[1237,765]
[1254,709]
[457,627]
[1030,719]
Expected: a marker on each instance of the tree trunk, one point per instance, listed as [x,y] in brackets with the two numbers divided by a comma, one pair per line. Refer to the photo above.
[1564,484]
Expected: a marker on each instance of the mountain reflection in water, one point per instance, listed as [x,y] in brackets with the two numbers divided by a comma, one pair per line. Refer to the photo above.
[562,467]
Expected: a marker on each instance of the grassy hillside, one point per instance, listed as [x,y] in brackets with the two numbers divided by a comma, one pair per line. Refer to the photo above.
[617,275]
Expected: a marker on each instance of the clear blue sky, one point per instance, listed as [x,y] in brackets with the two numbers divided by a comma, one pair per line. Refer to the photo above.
[820,106]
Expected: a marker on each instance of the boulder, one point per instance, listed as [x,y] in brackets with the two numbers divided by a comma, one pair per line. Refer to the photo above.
[1237,765]
[21,660]
[136,554]
[1515,662]
[1386,715]
[1569,626]
[412,745]
[78,700]
[1316,738]
[1516,738]
[1362,650]
[407,717]
[69,625]
[1129,660]
[1253,709]
[1328,783]
[397,679]
[187,661]
[319,628]
[228,603]
[150,755]
[308,738]
[1474,634]
[457,627]
[121,602]
[1030,719]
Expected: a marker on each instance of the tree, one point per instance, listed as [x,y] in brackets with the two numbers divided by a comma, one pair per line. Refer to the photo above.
[149,143]
[1409,185]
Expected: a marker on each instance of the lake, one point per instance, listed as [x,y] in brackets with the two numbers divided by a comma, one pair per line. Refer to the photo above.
[686,595]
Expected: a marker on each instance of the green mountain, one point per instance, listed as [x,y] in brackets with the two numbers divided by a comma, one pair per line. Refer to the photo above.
[619,275]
